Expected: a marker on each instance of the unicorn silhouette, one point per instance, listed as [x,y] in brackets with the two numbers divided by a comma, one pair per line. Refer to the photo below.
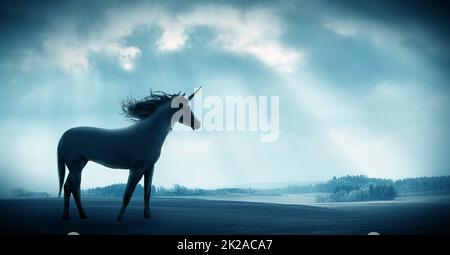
[136,147]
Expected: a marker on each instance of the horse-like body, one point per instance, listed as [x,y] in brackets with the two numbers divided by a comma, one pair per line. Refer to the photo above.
[136,148]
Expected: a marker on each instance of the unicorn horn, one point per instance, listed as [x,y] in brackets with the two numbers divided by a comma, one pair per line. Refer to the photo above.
[193,94]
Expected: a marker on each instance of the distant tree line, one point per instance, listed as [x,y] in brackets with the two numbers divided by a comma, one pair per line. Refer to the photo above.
[346,188]
[356,188]
[423,185]
[20,192]
[114,190]
[363,188]
[117,190]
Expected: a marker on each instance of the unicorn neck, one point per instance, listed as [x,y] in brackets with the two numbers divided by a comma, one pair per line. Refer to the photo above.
[160,121]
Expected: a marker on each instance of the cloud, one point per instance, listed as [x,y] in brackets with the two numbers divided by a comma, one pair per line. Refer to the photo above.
[346,29]
[255,32]
[402,37]
[241,32]
[72,52]
[64,55]
[173,38]
[421,24]
[378,34]
[125,55]
[400,43]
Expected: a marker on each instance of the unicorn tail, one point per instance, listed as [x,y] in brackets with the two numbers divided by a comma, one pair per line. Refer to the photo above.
[61,170]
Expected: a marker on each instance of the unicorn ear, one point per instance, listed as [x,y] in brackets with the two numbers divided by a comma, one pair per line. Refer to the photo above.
[193,94]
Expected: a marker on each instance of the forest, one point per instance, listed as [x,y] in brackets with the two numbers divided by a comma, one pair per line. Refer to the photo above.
[343,189]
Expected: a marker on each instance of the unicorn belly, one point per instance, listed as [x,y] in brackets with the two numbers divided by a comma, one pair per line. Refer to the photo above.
[113,164]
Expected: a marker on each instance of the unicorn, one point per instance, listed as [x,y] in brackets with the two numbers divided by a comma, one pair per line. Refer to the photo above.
[136,147]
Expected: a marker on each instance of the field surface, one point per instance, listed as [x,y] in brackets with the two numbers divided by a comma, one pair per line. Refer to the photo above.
[249,215]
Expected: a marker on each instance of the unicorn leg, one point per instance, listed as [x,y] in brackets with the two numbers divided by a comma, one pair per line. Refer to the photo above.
[76,194]
[133,180]
[148,176]
[65,215]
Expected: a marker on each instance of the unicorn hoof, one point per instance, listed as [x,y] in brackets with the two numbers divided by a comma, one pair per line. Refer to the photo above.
[65,217]
[83,216]
[147,215]
[120,218]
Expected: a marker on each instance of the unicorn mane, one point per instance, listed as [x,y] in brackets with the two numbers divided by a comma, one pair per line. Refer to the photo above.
[140,109]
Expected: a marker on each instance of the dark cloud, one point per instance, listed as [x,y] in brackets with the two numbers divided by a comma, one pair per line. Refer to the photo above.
[431,18]
[433,14]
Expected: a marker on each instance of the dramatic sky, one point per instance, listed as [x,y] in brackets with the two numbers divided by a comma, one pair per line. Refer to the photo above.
[363,86]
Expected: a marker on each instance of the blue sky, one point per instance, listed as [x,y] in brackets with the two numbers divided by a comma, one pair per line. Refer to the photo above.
[363,86]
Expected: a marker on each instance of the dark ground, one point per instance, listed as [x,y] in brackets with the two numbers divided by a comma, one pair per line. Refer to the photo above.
[197,216]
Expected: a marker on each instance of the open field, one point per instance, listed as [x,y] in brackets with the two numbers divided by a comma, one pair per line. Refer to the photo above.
[415,215]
